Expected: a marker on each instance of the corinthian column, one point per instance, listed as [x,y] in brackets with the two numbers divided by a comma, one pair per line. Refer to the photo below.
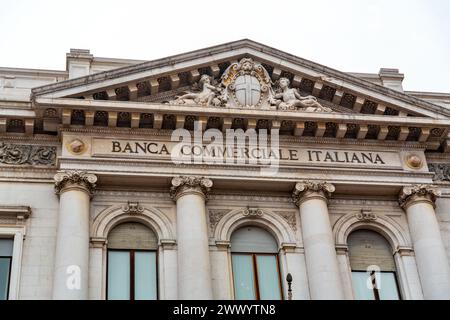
[72,242]
[432,263]
[194,270]
[320,252]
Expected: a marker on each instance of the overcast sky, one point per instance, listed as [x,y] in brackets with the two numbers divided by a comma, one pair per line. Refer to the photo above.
[348,35]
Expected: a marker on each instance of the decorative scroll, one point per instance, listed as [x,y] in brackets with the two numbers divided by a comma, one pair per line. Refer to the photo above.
[366,215]
[78,178]
[184,184]
[132,208]
[411,193]
[252,212]
[19,154]
[301,188]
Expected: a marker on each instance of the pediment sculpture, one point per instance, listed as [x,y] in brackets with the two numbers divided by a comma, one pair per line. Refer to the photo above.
[247,84]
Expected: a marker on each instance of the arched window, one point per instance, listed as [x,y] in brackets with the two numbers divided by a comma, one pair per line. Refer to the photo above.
[373,266]
[256,273]
[132,269]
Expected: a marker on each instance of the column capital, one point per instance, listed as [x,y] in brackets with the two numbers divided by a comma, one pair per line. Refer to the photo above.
[305,190]
[182,185]
[418,193]
[75,179]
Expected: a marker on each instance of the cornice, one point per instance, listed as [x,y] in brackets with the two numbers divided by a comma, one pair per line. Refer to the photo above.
[244,47]
[135,106]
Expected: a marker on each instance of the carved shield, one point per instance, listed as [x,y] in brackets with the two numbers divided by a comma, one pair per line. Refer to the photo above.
[247,90]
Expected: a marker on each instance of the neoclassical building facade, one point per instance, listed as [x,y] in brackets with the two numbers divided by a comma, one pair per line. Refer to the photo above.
[214,174]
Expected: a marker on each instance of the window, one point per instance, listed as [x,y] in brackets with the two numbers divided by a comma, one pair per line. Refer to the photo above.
[256,273]
[373,266]
[132,263]
[6,252]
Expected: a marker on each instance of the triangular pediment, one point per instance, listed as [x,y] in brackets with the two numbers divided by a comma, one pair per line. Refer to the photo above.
[162,80]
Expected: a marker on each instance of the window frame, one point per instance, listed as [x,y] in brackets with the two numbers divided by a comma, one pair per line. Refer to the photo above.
[9,274]
[376,294]
[255,272]
[16,234]
[132,270]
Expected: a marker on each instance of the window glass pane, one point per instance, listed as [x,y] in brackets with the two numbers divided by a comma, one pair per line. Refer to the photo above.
[145,275]
[118,275]
[387,287]
[368,248]
[244,281]
[362,286]
[4,277]
[253,239]
[268,278]
[6,247]
[132,235]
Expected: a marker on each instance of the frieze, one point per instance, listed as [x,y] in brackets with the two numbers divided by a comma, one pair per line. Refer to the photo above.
[154,149]
[441,171]
[21,154]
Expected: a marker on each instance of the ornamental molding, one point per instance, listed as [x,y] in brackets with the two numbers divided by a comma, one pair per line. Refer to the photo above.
[249,197]
[147,132]
[26,154]
[79,179]
[232,171]
[14,215]
[306,189]
[138,194]
[190,184]
[35,139]
[410,194]
[441,171]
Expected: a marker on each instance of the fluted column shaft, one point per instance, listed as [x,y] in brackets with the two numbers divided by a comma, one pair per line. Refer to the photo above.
[194,269]
[71,271]
[320,252]
[431,258]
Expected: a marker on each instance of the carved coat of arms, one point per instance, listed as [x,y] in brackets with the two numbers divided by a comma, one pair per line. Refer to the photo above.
[247,84]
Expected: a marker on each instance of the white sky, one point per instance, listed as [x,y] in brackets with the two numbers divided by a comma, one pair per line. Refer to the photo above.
[348,35]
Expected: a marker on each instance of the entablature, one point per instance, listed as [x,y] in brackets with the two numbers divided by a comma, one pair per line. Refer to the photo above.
[67,112]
